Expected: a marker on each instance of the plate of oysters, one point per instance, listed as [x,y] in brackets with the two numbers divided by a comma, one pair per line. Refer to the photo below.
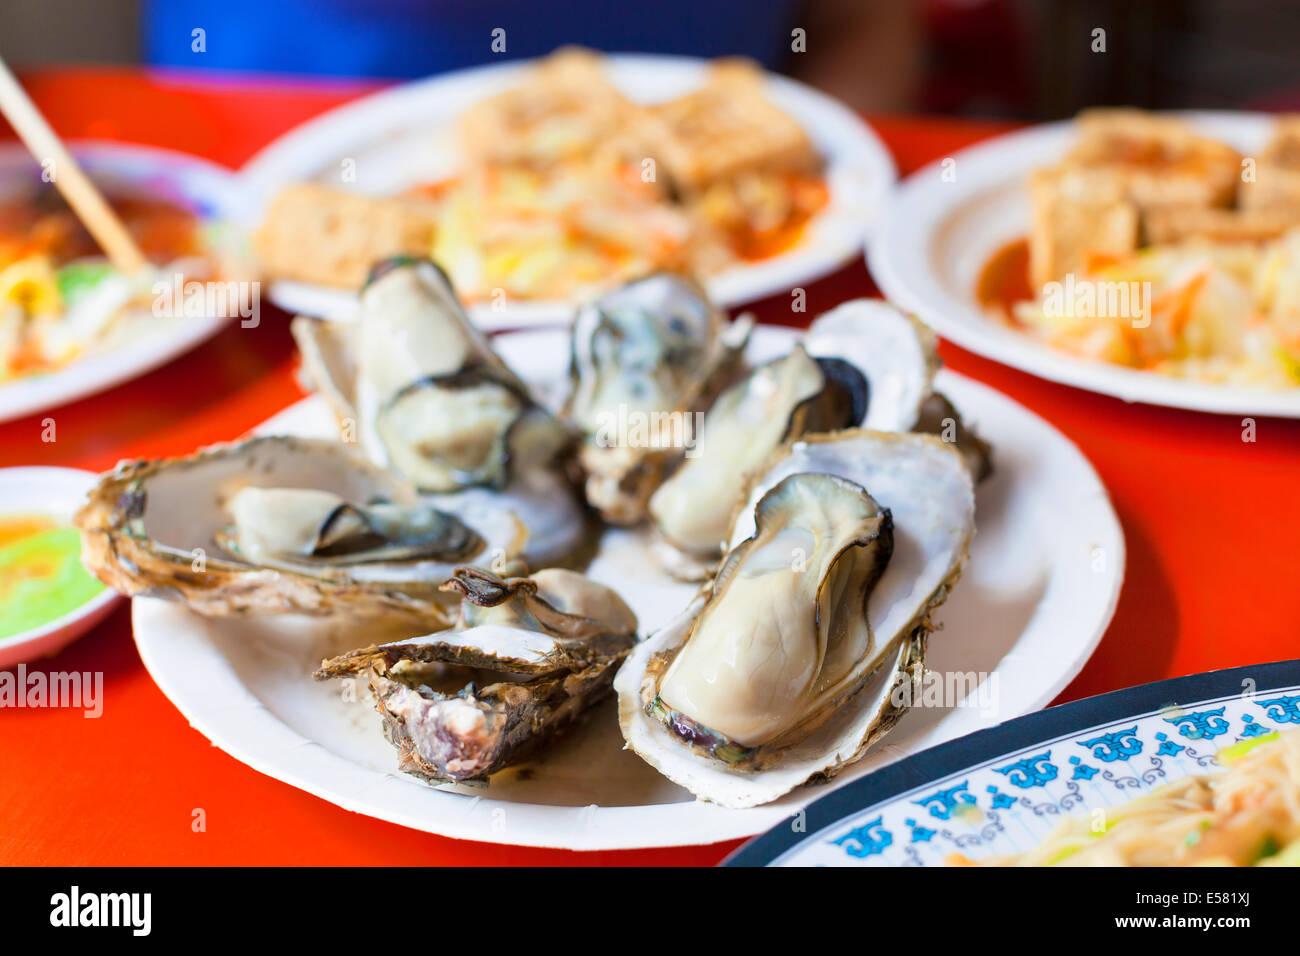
[1150,256]
[659,577]
[539,184]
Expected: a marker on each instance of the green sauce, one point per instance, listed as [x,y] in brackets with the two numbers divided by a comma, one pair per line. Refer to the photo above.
[41,577]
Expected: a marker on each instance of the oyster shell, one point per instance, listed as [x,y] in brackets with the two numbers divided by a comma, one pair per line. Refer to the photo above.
[654,350]
[420,389]
[274,525]
[877,366]
[777,402]
[709,702]
[528,657]
[896,353]
[423,387]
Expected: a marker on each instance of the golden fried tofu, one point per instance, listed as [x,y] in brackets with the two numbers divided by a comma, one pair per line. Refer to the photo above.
[326,236]
[1076,214]
[1156,160]
[1171,224]
[725,128]
[564,108]
[1277,170]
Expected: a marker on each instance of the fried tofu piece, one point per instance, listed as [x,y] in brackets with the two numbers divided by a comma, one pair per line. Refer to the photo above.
[725,128]
[1132,176]
[1277,170]
[1074,216]
[313,233]
[565,108]
[1171,224]
[1156,160]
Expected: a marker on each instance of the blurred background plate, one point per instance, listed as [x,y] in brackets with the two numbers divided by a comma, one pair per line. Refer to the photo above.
[398,139]
[211,192]
[1045,571]
[938,232]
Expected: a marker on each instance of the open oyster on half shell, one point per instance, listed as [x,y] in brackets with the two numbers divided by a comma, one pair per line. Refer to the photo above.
[864,364]
[779,401]
[784,668]
[275,525]
[527,657]
[645,358]
[422,392]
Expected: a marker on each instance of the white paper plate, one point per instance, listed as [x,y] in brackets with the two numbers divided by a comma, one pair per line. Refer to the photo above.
[1045,572]
[211,192]
[400,137]
[936,235]
[57,492]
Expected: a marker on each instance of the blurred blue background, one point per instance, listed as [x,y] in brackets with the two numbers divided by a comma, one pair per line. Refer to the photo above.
[1028,59]
[409,38]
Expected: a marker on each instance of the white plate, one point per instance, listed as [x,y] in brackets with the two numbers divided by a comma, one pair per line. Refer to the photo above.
[1045,572]
[399,138]
[210,191]
[56,492]
[932,242]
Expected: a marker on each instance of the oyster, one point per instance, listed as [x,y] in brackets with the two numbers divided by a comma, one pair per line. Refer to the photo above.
[785,667]
[863,364]
[420,389]
[273,525]
[528,657]
[422,386]
[939,417]
[777,402]
[896,353]
[893,351]
[645,357]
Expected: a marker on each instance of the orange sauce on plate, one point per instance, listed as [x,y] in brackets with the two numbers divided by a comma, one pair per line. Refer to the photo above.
[1004,280]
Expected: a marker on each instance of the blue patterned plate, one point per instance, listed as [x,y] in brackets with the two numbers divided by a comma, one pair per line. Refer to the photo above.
[1004,789]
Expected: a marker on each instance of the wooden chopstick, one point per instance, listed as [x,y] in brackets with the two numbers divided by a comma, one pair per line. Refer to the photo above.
[81,194]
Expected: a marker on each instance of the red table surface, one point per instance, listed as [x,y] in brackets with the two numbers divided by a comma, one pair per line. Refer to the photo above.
[1211,524]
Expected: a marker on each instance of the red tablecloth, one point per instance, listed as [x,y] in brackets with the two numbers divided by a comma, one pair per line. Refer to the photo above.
[1211,523]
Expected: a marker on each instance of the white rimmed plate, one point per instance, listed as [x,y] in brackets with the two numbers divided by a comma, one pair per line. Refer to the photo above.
[938,232]
[58,493]
[1044,576]
[211,192]
[399,138]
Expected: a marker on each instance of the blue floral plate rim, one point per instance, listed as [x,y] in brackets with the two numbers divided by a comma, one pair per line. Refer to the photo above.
[979,749]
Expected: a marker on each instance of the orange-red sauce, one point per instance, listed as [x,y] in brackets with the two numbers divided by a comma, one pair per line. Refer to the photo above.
[45,225]
[808,195]
[1004,280]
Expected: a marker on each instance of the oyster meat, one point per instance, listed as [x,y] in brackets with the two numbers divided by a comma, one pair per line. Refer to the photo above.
[785,667]
[777,402]
[529,655]
[644,359]
[863,364]
[421,391]
[275,525]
